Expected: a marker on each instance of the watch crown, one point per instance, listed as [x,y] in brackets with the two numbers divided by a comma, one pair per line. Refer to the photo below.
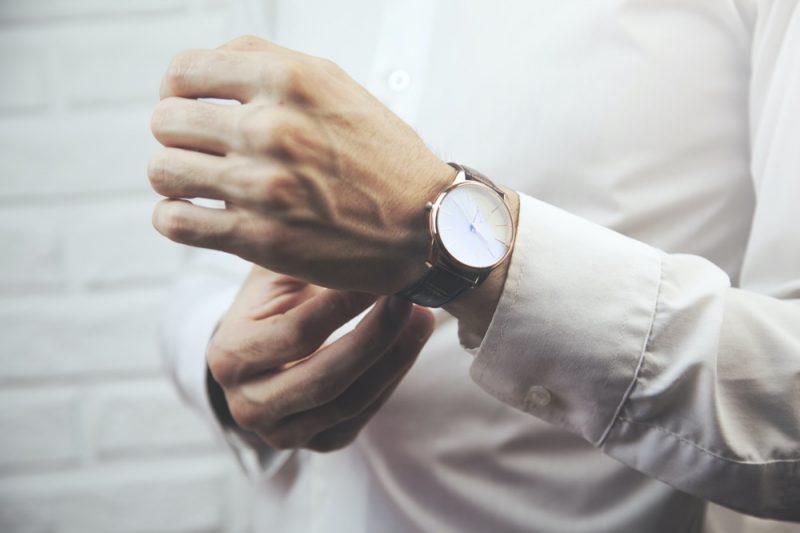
[428,206]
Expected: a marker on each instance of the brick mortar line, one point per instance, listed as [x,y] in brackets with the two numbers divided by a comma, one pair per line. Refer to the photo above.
[80,199]
[48,21]
[22,384]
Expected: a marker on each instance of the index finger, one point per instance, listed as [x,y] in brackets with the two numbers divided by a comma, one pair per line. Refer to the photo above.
[320,379]
[304,328]
[267,345]
[220,73]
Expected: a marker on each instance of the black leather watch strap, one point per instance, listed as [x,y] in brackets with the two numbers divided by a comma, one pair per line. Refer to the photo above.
[474,175]
[439,286]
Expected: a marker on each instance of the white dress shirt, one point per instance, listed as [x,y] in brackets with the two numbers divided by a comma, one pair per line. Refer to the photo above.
[645,354]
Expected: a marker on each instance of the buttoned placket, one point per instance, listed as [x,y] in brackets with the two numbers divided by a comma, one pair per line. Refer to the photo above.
[401,56]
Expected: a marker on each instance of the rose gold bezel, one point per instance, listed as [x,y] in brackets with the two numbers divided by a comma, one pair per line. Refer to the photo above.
[437,246]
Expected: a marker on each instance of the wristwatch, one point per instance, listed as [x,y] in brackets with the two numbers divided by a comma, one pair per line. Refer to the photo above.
[472,233]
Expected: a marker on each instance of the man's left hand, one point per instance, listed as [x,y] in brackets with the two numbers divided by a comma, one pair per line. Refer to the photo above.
[320,180]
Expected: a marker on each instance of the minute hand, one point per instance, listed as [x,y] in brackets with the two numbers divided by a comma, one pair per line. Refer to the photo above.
[483,237]
[463,209]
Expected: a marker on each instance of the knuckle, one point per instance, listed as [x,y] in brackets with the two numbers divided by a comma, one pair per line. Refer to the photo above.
[319,446]
[246,42]
[300,332]
[338,301]
[161,116]
[239,179]
[266,188]
[281,191]
[254,186]
[289,77]
[244,412]
[289,336]
[225,238]
[321,390]
[251,129]
[331,441]
[277,443]
[170,221]
[280,133]
[159,171]
[263,241]
[328,65]
[267,131]
[280,136]
[274,238]
[221,363]
[283,440]
[249,414]
[345,409]
[179,68]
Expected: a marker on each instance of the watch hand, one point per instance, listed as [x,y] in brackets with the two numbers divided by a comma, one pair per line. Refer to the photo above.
[481,220]
[461,208]
[478,222]
[499,244]
[485,240]
[473,227]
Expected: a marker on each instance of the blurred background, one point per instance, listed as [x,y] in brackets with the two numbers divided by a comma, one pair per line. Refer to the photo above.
[92,436]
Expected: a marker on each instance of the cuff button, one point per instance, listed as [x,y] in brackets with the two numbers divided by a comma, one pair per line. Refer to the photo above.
[537,396]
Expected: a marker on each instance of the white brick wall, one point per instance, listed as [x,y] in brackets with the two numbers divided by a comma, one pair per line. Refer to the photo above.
[93,439]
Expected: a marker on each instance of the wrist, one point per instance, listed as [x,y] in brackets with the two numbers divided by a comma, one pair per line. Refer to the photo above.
[413,262]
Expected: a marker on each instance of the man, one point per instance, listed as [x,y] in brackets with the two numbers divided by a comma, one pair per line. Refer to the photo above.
[673,125]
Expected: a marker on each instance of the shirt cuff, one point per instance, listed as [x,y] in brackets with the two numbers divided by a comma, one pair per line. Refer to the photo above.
[571,326]
[189,366]
[189,371]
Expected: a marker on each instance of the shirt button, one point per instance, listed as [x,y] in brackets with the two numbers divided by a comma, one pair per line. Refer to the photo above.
[537,396]
[399,80]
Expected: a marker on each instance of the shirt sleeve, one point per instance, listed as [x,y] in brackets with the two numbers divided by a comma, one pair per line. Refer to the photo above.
[199,299]
[660,359]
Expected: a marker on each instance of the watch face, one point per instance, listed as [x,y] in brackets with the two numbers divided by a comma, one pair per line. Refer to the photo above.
[474,225]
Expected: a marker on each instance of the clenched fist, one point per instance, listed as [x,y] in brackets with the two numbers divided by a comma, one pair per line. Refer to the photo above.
[281,383]
[319,179]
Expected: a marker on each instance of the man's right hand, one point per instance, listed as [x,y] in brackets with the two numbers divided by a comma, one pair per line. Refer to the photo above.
[282,384]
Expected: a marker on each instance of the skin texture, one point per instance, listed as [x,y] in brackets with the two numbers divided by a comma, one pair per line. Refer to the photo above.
[320,182]
[283,385]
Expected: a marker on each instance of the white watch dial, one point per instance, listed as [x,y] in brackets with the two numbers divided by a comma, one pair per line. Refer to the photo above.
[474,225]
